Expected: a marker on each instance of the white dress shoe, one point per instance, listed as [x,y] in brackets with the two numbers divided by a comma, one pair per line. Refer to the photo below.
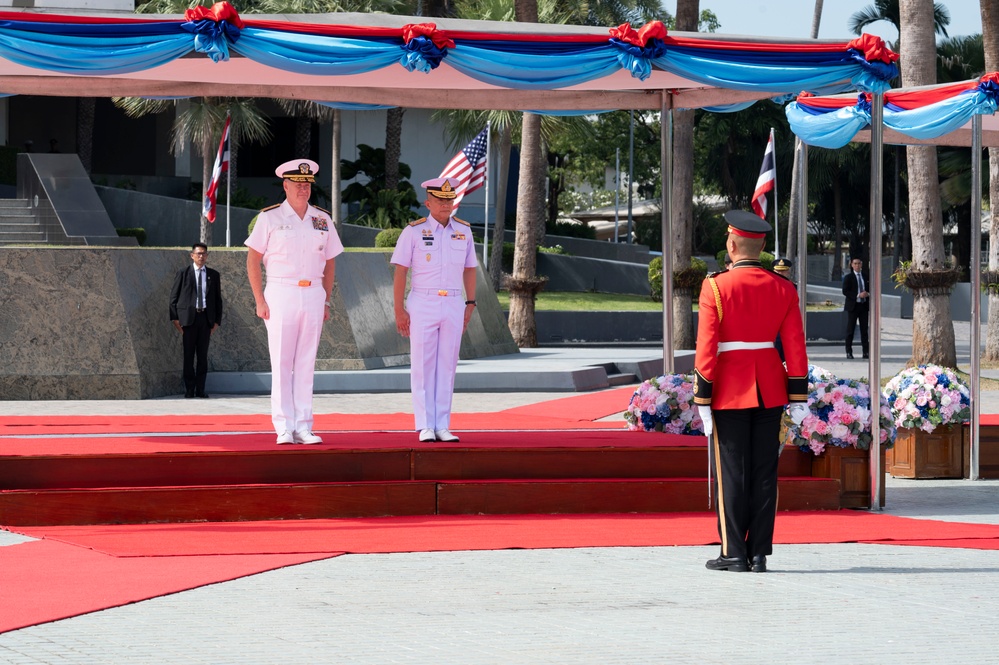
[285,437]
[445,435]
[427,435]
[307,437]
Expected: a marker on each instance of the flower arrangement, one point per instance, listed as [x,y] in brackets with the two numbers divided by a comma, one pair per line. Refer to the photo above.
[665,404]
[926,396]
[839,414]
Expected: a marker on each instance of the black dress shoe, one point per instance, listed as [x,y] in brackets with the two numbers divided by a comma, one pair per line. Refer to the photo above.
[867,355]
[849,354]
[188,395]
[758,564]
[732,564]
[203,395]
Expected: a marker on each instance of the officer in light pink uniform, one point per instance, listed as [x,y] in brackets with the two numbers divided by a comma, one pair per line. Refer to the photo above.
[439,252]
[298,245]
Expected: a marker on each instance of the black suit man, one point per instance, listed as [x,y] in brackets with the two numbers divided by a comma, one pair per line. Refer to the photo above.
[856,304]
[196,311]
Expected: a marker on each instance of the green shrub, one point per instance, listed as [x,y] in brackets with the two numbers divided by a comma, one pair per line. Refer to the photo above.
[138,233]
[387,238]
[555,249]
[766,258]
[508,257]
[572,230]
[689,278]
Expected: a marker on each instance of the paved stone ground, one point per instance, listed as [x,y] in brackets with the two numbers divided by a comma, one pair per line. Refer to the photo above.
[846,603]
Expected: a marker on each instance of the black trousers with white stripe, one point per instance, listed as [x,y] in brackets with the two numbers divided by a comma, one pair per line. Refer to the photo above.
[747,450]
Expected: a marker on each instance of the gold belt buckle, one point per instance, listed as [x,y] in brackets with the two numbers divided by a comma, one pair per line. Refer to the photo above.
[305,282]
[442,292]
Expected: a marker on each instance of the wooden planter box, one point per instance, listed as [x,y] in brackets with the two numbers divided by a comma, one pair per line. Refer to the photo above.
[919,454]
[852,468]
[988,451]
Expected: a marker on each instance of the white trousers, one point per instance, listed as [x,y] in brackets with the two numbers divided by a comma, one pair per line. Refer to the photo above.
[293,331]
[435,324]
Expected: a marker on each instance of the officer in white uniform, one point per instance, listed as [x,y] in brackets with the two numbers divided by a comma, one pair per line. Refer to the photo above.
[298,245]
[439,251]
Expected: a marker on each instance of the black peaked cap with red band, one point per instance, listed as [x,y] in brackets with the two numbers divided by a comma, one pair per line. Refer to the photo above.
[747,224]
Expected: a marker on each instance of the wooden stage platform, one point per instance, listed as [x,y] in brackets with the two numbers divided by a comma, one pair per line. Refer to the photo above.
[244,476]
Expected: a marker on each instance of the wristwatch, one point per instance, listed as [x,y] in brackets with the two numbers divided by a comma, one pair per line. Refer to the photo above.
[469,302]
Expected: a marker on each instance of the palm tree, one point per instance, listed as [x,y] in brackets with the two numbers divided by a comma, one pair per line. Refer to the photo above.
[990,39]
[682,201]
[932,325]
[200,122]
[889,10]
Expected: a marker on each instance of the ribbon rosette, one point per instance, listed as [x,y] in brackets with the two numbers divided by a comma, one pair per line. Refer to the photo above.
[878,62]
[214,29]
[639,48]
[425,47]
[988,85]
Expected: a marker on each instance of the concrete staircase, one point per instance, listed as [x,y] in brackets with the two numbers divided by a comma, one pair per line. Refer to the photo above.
[18,224]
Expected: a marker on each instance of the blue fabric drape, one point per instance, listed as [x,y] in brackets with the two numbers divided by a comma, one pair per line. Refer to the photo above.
[95,53]
[827,130]
[317,54]
[941,118]
[835,128]
[78,46]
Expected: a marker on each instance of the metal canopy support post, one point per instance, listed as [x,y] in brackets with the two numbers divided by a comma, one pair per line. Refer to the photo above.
[666,156]
[976,291]
[803,231]
[874,366]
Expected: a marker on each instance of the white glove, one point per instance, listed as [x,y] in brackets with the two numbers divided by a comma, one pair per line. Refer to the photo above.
[704,412]
[798,411]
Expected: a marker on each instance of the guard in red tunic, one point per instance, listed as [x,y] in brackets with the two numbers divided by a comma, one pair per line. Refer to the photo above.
[742,388]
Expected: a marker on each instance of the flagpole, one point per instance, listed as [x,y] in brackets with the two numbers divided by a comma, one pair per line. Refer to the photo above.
[228,197]
[776,225]
[485,229]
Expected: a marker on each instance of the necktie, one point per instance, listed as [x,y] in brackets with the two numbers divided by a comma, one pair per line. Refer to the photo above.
[201,289]
[860,284]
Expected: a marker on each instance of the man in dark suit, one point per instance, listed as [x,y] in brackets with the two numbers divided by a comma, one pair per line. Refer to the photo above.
[856,304]
[196,311]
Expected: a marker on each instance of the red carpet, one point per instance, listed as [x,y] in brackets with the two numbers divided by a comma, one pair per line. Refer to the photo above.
[483,532]
[243,442]
[75,570]
[46,580]
[576,412]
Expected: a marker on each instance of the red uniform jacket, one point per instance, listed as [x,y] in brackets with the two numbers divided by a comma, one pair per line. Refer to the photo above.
[748,303]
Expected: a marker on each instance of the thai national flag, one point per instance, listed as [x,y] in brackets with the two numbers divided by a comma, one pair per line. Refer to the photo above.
[767,180]
[469,166]
[221,166]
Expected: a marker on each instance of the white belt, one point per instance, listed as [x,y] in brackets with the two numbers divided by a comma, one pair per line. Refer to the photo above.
[743,346]
[438,292]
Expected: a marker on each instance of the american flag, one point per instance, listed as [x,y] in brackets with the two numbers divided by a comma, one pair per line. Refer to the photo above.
[767,179]
[469,166]
[221,166]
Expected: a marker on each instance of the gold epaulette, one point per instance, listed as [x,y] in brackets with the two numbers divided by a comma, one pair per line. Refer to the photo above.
[418,221]
[718,303]
[461,221]
[324,210]
[276,205]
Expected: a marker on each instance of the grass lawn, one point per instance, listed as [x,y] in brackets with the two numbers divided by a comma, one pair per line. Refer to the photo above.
[566,301]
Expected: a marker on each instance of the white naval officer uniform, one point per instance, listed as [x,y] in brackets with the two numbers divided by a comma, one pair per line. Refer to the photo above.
[436,257]
[295,252]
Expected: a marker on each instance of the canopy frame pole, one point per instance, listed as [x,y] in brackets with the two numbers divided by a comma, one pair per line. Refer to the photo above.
[976,293]
[666,156]
[803,232]
[874,365]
